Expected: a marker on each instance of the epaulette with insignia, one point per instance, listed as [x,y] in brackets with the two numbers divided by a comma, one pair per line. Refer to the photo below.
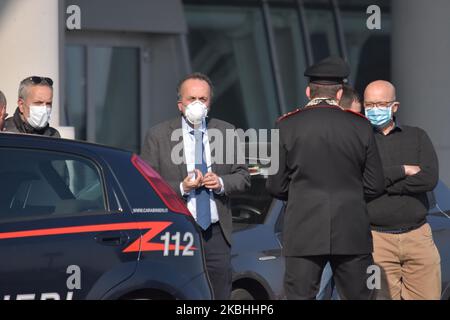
[356,113]
[289,114]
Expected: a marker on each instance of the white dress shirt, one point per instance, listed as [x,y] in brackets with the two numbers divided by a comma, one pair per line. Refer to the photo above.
[189,154]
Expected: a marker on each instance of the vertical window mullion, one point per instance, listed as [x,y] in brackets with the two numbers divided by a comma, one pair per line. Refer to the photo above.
[273,57]
[339,29]
[145,102]
[305,32]
[90,97]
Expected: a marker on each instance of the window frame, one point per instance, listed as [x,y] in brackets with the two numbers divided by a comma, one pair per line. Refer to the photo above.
[106,189]
[88,41]
[300,6]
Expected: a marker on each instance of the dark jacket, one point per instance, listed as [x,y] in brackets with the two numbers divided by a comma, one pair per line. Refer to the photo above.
[157,150]
[17,125]
[329,166]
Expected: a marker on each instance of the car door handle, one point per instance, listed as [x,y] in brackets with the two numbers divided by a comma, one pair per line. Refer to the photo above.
[266,258]
[112,238]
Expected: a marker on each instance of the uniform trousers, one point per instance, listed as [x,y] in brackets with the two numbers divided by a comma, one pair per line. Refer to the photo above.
[350,273]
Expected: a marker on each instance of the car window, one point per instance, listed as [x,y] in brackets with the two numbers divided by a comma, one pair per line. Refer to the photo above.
[37,184]
[251,207]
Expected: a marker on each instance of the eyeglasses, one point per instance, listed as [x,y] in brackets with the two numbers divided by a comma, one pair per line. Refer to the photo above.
[39,80]
[382,104]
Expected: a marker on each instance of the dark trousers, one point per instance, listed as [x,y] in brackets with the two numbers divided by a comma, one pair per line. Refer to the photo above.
[303,274]
[218,261]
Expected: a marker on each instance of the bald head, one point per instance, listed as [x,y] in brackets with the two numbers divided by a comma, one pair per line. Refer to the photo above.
[379,96]
[379,91]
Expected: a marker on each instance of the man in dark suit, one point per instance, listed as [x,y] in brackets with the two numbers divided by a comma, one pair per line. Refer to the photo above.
[180,150]
[329,164]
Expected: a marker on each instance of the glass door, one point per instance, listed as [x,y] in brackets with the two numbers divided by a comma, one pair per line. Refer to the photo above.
[104,100]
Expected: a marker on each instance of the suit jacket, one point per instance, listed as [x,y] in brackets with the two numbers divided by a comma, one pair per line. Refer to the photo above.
[329,164]
[157,151]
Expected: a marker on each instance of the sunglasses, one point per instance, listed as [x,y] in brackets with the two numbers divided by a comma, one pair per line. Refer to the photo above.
[39,80]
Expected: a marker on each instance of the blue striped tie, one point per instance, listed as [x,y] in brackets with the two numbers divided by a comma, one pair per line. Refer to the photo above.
[202,195]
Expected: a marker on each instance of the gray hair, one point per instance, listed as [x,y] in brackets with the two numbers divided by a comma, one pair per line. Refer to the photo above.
[27,83]
[2,99]
[197,76]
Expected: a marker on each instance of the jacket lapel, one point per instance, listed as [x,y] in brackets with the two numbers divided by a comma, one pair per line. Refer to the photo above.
[211,124]
[176,125]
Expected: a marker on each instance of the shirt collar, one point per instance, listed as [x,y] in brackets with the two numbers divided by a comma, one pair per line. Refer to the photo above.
[397,127]
[187,127]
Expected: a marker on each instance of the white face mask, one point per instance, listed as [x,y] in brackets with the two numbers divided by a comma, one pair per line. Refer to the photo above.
[195,112]
[39,116]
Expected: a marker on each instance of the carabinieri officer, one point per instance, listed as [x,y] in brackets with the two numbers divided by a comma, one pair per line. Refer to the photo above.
[329,168]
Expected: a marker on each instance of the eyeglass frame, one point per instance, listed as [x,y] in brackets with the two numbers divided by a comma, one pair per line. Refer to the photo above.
[377,104]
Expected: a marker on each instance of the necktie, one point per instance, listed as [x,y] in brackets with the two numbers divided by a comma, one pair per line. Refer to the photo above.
[202,195]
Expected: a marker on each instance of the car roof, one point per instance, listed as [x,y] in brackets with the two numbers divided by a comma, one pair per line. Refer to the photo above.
[39,141]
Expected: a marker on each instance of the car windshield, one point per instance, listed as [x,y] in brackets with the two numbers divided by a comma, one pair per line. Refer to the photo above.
[251,207]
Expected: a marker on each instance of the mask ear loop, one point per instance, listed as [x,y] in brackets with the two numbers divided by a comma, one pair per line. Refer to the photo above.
[391,115]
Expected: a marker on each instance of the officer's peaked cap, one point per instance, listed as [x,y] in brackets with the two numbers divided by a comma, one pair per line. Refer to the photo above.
[329,71]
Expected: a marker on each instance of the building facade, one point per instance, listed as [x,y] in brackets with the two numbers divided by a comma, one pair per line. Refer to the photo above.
[116,71]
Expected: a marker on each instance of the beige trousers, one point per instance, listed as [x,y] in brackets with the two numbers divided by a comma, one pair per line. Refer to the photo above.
[410,265]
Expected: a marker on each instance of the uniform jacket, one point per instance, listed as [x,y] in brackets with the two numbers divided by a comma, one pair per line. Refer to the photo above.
[329,167]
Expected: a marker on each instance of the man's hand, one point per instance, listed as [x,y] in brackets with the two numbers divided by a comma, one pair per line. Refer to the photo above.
[189,184]
[411,170]
[211,181]
[3,116]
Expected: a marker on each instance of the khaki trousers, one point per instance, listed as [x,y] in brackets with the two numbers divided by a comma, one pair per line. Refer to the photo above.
[410,265]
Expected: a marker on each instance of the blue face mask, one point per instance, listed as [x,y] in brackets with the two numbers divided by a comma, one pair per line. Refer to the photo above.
[379,117]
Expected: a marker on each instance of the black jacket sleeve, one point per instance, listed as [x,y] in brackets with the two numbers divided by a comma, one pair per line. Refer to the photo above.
[427,179]
[392,174]
[373,178]
[278,184]
[238,180]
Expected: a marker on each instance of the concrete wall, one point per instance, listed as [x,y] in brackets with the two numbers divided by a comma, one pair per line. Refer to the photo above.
[29,45]
[156,16]
[421,70]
